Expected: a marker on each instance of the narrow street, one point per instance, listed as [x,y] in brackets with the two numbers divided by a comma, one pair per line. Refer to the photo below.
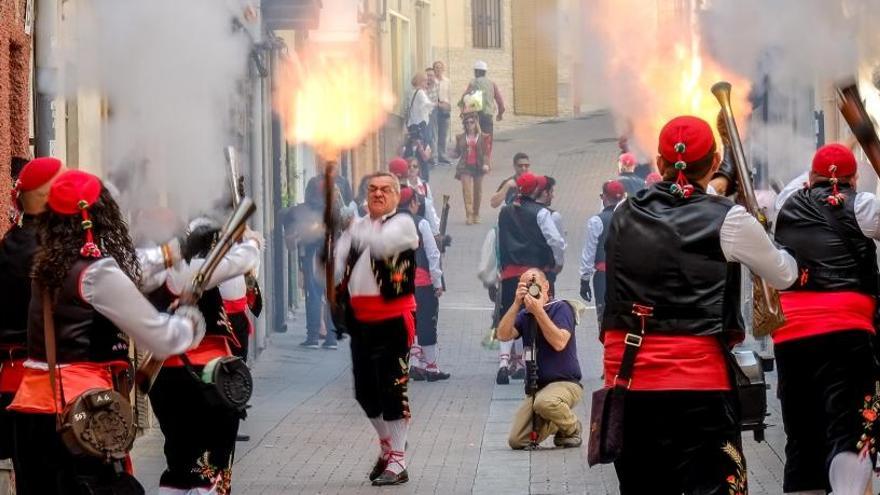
[308,434]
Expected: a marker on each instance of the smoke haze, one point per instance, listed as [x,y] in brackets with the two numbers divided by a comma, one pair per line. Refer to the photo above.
[168,70]
[790,48]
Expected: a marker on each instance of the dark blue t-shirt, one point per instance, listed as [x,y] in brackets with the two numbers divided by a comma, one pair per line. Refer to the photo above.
[553,366]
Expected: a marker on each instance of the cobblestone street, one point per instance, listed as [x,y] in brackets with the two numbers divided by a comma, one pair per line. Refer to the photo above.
[308,435]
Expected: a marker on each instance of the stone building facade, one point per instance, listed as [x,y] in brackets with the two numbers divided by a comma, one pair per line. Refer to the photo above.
[532,53]
[15,77]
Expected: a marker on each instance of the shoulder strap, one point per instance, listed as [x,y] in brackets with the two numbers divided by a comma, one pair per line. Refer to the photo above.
[409,110]
[51,358]
[633,342]
[835,224]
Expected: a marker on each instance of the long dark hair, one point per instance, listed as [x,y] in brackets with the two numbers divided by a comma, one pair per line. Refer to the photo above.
[62,237]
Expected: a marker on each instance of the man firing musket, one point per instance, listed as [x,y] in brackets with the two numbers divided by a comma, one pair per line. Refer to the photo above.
[824,350]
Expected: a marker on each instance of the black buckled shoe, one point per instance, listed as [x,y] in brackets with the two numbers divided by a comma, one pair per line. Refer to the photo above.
[388,478]
[519,374]
[378,468]
[436,376]
[503,376]
[417,374]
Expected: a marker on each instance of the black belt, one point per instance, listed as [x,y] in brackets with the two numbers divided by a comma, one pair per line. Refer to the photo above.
[669,311]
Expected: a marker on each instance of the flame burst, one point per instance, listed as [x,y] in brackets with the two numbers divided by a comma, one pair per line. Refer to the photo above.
[659,68]
[332,97]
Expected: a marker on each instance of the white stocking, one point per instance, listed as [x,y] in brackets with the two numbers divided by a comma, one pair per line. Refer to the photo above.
[849,473]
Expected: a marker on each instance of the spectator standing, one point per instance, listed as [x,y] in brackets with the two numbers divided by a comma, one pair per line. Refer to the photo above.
[472,151]
[316,310]
[593,255]
[549,324]
[492,107]
[433,92]
[418,111]
[507,190]
[444,108]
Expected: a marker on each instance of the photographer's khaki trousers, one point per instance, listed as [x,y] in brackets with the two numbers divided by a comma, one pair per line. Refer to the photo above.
[553,413]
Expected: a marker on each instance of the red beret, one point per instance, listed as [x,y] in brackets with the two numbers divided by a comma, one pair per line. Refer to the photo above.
[74,191]
[653,178]
[406,195]
[628,160]
[527,183]
[686,139]
[837,155]
[38,172]
[613,189]
[398,166]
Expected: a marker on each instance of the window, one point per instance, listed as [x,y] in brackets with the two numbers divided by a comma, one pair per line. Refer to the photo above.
[486,23]
[401,71]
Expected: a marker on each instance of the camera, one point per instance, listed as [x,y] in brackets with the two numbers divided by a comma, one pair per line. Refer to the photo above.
[534,289]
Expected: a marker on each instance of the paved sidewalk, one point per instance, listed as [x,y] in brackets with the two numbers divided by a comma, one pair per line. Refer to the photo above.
[309,435]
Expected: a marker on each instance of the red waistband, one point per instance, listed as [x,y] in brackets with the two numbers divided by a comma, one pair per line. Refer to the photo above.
[511,271]
[11,374]
[34,396]
[211,347]
[670,362]
[423,277]
[600,266]
[808,314]
[373,309]
[235,305]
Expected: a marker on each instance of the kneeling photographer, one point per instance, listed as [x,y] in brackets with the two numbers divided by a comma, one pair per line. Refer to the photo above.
[553,383]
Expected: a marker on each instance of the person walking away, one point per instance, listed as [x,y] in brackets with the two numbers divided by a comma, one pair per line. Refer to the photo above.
[419,109]
[593,255]
[492,103]
[527,238]
[444,109]
[549,323]
[88,271]
[375,260]
[827,368]
[433,92]
[472,151]
[507,190]
[429,287]
[17,250]
[626,165]
[673,281]
[317,312]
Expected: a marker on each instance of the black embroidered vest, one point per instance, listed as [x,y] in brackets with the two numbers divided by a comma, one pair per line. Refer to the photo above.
[825,261]
[520,240]
[665,252]
[81,333]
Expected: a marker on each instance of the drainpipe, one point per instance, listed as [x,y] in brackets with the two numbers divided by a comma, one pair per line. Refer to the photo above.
[46,75]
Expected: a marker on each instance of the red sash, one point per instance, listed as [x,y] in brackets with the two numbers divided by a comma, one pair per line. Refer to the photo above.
[670,362]
[211,347]
[34,396]
[808,314]
[423,277]
[374,309]
[239,306]
[11,374]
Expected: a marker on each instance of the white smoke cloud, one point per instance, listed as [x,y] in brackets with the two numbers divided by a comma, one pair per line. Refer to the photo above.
[168,70]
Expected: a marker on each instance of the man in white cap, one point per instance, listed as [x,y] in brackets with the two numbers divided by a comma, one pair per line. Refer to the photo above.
[492,104]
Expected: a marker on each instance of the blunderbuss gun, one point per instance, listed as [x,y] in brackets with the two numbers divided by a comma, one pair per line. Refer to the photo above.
[231,233]
[236,188]
[444,222]
[853,110]
[767,314]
